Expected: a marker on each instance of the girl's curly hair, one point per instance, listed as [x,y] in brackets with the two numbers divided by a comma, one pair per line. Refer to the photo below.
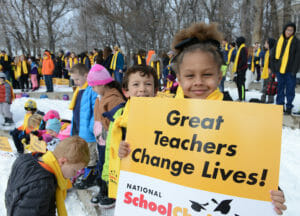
[199,36]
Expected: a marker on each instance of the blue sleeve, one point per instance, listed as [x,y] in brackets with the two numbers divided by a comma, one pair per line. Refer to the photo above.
[93,101]
[120,62]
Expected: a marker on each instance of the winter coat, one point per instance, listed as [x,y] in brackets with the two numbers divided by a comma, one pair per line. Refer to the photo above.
[34,68]
[48,65]
[5,61]
[5,93]
[85,114]
[30,188]
[109,100]
[107,62]
[293,64]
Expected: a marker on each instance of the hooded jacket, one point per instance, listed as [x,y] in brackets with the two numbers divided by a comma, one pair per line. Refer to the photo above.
[30,188]
[293,63]
[48,65]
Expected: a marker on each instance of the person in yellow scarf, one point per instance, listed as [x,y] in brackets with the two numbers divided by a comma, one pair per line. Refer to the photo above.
[139,81]
[5,61]
[23,73]
[286,64]
[268,75]
[198,67]
[38,183]
[140,58]
[82,106]
[117,64]
[240,67]
[257,56]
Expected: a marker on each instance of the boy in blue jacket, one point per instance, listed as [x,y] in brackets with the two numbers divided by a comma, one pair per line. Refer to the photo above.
[82,104]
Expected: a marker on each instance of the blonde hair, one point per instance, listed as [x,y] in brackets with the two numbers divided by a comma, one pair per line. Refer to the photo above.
[74,149]
[34,121]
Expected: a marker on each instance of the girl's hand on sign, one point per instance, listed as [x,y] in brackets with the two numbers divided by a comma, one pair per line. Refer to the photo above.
[124,149]
[278,201]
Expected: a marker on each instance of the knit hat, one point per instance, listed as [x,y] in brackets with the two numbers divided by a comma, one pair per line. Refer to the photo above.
[51,114]
[98,75]
[53,124]
[2,75]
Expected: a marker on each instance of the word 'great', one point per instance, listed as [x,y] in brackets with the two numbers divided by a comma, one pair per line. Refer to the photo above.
[175,118]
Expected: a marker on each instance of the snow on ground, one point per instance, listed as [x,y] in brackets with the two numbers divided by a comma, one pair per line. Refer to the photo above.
[57,88]
[289,169]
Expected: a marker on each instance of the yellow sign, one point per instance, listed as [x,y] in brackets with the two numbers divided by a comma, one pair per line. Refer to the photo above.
[37,145]
[4,144]
[223,147]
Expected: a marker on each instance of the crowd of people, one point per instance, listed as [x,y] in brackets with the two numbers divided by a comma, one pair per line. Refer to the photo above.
[195,68]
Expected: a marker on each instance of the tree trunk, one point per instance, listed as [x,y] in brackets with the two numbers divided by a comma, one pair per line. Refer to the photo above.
[287,11]
[258,21]
[246,21]
[7,40]
[274,19]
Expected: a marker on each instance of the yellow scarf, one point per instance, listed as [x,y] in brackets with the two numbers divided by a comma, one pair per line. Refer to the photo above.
[139,60]
[179,92]
[229,55]
[257,55]
[226,47]
[83,61]
[168,87]
[18,71]
[25,122]
[265,72]
[113,63]
[71,61]
[73,102]
[285,57]
[157,68]
[236,60]
[62,183]
[93,58]
[114,160]
[24,66]
[252,64]
[5,56]
[215,95]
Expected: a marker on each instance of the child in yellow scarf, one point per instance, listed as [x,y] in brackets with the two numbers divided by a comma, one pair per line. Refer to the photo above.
[139,81]
[38,183]
[198,64]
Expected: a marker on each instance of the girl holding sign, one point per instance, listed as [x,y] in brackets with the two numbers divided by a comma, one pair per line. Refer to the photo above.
[197,62]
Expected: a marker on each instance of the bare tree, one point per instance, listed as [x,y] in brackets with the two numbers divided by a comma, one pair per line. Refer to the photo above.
[258,21]
[5,29]
[246,23]
[287,11]
[274,19]
[50,11]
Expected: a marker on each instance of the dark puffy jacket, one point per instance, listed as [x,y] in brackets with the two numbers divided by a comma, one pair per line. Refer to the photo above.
[30,188]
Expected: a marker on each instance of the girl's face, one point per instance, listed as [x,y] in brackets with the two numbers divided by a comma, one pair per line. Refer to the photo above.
[199,75]
[99,89]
